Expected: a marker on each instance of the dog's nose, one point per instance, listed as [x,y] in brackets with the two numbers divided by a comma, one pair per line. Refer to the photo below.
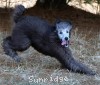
[66,38]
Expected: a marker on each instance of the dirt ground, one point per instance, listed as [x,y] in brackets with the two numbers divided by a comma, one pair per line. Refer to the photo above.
[38,69]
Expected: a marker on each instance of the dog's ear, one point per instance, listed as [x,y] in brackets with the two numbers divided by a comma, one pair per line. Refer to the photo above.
[69,23]
[57,21]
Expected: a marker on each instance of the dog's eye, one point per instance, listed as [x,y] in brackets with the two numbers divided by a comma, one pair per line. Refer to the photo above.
[60,32]
[67,32]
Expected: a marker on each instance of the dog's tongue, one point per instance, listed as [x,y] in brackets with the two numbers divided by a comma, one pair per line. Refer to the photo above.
[64,42]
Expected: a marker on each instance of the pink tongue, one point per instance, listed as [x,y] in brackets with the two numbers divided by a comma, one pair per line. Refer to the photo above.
[64,42]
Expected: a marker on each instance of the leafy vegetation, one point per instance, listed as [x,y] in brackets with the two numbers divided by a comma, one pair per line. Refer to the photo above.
[98,1]
[52,4]
[89,1]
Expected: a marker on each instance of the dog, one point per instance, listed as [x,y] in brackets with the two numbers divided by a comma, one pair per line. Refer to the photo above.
[52,40]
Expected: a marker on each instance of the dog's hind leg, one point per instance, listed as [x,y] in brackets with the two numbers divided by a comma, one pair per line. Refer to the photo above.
[17,43]
[7,46]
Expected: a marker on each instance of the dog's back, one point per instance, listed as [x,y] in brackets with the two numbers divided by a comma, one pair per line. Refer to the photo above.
[30,24]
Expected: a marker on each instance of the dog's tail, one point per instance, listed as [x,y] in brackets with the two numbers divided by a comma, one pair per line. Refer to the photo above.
[9,50]
[18,12]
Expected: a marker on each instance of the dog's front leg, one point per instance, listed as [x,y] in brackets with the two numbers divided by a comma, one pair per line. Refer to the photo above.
[65,57]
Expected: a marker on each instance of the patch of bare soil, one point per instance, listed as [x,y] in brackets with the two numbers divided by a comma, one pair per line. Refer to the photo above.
[38,69]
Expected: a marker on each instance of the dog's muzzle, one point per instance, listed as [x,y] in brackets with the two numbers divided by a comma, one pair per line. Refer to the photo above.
[65,43]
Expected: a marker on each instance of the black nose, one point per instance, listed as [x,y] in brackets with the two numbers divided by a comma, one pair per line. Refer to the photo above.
[66,38]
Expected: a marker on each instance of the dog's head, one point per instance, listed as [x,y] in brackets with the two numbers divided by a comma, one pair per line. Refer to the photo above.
[63,29]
